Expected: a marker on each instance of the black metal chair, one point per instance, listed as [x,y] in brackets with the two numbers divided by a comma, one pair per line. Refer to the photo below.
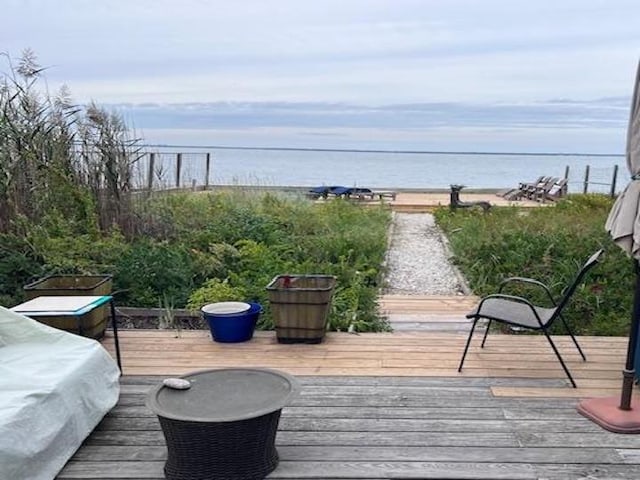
[520,312]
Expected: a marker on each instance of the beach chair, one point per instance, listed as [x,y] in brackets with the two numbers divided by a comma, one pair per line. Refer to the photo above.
[521,313]
[522,190]
[540,192]
[557,190]
[526,185]
[359,193]
[382,194]
[531,190]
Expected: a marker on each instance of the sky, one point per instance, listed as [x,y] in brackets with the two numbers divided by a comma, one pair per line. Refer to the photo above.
[444,75]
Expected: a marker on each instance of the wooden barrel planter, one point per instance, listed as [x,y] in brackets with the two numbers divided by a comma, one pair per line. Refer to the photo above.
[300,305]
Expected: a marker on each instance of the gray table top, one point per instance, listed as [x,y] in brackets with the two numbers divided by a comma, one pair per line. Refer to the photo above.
[224,395]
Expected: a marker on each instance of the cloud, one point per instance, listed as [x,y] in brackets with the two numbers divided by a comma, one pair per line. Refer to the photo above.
[565,125]
[364,51]
[611,112]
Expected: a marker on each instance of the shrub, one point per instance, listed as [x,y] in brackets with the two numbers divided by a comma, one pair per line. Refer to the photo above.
[150,273]
[215,290]
[19,264]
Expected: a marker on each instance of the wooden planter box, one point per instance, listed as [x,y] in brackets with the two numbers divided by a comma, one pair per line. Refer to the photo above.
[93,323]
[300,306]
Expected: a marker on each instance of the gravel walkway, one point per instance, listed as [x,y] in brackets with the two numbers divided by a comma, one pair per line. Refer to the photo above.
[417,261]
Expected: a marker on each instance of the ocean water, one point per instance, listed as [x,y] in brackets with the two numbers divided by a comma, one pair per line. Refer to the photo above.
[274,167]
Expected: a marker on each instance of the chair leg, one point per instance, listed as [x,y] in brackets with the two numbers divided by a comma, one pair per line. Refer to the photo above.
[575,342]
[466,348]
[564,366]
[486,332]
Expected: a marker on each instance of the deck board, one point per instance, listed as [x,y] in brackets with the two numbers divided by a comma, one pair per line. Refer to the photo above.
[385,427]
[388,406]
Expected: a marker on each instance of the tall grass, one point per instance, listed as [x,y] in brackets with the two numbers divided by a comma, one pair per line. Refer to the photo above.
[60,158]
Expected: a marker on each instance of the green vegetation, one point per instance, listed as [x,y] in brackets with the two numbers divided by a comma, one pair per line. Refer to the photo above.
[194,249]
[549,244]
[230,245]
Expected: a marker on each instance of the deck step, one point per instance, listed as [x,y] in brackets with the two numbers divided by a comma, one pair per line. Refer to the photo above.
[427,312]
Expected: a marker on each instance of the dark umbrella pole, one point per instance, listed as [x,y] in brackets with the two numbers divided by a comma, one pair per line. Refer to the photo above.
[620,415]
[629,371]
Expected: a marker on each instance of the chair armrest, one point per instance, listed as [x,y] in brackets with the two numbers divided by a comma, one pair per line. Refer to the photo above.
[512,298]
[529,281]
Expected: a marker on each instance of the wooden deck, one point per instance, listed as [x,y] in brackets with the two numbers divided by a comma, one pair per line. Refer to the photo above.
[389,406]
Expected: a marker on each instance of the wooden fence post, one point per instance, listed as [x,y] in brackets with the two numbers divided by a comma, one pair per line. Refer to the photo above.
[614,179]
[152,159]
[178,168]
[207,170]
[586,180]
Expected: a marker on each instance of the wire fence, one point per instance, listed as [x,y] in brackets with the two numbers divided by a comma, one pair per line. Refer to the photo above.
[594,180]
[169,170]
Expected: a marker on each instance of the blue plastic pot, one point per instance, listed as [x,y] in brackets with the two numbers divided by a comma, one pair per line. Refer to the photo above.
[233,327]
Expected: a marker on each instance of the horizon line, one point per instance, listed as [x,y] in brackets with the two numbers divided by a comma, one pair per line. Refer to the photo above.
[358,150]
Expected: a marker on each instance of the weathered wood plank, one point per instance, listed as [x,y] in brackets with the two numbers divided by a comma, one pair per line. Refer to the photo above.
[487,413]
[577,424]
[602,439]
[407,470]
[586,472]
[380,381]
[398,453]
[364,390]
[332,469]
[129,439]
[630,456]
[168,370]
[390,401]
[579,392]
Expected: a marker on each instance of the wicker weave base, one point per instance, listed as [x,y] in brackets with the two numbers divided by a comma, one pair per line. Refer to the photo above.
[240,450]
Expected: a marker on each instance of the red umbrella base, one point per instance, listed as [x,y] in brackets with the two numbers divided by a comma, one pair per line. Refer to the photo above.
[606,413]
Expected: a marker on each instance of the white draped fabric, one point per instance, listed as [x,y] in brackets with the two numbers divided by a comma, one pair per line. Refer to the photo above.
[623,222]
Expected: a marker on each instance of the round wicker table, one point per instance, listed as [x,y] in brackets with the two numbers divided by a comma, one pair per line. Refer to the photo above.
[224,426]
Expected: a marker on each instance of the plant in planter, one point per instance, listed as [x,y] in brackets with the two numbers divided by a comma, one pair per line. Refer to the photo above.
[300,305]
